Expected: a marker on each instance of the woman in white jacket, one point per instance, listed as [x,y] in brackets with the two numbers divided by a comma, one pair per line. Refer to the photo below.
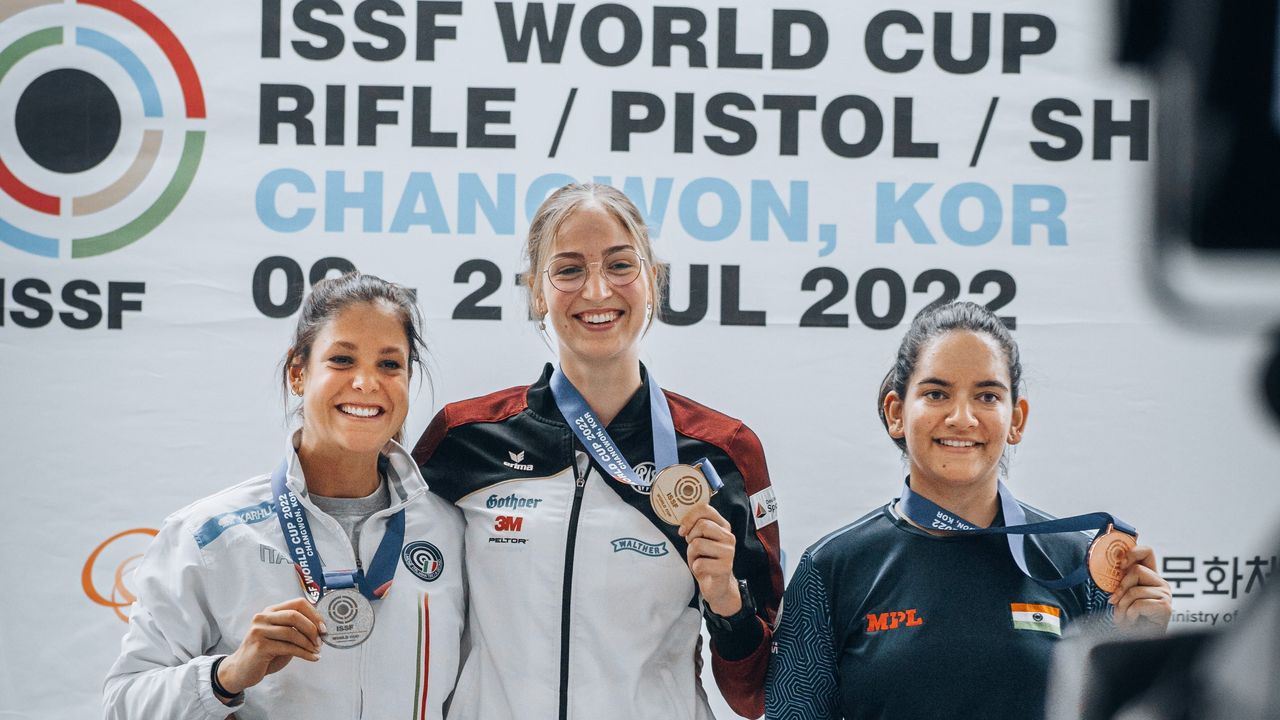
[332,587]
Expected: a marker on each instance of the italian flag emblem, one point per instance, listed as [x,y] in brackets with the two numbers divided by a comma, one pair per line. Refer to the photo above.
[1045,618]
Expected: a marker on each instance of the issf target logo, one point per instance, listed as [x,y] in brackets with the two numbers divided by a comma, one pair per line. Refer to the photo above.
[423,559]
[104,128]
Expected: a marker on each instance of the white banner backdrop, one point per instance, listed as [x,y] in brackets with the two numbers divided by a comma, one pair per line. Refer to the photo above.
[814,174]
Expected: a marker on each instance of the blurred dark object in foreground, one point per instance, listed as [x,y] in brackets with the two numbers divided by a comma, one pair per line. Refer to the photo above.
[1271,377]
[1215,63]
[1215,262]
[1225,674]
[1215,256]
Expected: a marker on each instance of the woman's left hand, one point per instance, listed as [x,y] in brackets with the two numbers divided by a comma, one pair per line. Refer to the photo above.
[710,556]
[1143,596]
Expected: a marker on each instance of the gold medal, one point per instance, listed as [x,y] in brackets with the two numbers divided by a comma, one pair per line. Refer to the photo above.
[1106,555]
[677,490]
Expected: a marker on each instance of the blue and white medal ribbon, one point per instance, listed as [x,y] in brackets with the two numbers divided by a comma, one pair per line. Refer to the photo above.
[676,487]
[306,556]
[1106,550]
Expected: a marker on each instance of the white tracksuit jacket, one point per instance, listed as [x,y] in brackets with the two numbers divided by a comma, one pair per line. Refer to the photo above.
[582,605]
[219,561]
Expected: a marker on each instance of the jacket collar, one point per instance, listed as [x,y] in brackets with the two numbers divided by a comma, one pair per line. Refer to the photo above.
[404,480]
[543,403]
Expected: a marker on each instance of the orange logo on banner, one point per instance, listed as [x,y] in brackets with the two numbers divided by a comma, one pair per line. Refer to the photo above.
[120,595]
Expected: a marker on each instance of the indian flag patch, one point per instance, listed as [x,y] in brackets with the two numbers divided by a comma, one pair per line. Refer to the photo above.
[1045,618]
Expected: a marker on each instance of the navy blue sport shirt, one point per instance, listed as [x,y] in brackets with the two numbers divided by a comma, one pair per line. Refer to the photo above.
[883,620]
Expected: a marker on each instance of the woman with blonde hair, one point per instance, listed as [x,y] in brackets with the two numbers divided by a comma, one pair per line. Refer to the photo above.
[605,517]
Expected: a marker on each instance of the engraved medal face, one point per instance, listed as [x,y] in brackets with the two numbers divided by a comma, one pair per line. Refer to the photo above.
[348,616]
[1106,553]
[677,490]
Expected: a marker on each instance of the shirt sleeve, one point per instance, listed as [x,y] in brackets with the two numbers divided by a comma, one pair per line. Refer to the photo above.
[740,660]
[803,682]
[164,665]
[1097,605]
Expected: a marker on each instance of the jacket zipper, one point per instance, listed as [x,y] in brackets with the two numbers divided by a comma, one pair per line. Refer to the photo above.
[360,649]
[580,480]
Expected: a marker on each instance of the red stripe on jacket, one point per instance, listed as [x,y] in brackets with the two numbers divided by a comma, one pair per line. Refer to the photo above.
[740,681]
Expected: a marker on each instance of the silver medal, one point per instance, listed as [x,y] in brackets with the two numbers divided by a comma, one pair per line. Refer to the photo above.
[348,616]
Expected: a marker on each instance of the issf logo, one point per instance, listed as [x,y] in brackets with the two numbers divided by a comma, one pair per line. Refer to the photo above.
[107,128]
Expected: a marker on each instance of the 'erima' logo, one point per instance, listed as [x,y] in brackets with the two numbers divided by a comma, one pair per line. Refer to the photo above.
[515,463]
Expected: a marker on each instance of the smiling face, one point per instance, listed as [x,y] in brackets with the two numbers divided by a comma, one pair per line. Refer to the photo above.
[599,323]
[958,412]
[355,382]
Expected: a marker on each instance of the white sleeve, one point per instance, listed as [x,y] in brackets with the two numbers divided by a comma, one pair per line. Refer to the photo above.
[164,664]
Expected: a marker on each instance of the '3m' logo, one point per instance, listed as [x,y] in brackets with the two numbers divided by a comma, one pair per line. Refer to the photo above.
[508,523]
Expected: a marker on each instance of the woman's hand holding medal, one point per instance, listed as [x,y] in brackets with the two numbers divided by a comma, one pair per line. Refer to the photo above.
[278,634]
[710,557]
[1143,596]
[679,494]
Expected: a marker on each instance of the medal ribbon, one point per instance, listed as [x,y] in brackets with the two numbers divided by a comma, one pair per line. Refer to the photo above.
[591,432]
[306,556]
[927,514]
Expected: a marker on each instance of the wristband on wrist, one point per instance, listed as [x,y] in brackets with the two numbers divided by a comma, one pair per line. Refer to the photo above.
[218,690]
[719,624]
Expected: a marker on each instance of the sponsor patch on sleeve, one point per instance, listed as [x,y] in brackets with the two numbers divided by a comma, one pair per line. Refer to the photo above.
[1042,618]
[764,508]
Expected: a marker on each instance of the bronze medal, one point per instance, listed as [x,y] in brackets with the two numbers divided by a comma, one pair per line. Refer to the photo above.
[348,615]
[1105,556]
[677,490]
